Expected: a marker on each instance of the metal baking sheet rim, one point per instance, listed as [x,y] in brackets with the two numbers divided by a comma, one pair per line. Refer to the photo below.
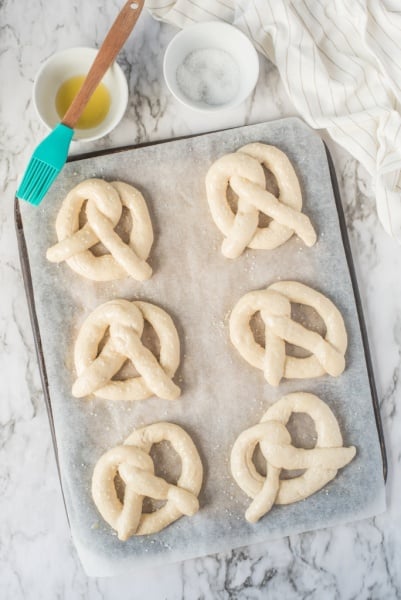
[25,267]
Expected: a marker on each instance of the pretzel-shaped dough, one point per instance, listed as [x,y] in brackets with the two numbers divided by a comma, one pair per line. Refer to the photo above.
[125,322]
[242,171]
[274,304]
[103,211]
[135,467]
[321,462]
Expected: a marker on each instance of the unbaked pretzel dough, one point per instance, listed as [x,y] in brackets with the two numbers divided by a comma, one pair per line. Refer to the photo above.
[136,469]
[321,462]
[243,172]
[274,304]
[124,321]
[105,202]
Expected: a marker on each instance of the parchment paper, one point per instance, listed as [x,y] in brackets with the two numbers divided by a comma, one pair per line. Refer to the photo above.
[221,394]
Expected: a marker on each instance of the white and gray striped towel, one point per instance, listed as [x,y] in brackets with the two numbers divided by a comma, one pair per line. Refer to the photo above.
[340,63]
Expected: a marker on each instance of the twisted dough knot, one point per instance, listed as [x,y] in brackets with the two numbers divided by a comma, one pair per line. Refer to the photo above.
[243,172]
[274,304]
[321,462]
[124,321]
[105,202]
[136,469]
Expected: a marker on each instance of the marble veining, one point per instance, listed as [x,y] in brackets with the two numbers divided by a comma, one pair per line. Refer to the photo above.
[37,559]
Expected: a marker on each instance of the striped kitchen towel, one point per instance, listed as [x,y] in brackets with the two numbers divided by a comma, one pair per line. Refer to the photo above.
[340,63]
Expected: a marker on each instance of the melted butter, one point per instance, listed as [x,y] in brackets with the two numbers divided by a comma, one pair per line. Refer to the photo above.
[95,111]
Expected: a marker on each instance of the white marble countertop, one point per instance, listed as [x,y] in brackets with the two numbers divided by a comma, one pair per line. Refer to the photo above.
[37,558]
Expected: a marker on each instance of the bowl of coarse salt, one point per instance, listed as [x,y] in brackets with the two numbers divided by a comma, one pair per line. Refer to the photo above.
[211,66]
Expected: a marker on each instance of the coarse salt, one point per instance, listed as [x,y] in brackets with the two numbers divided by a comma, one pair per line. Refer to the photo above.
[209,75]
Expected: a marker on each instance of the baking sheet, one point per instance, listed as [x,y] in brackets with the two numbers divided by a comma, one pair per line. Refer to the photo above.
[222,395]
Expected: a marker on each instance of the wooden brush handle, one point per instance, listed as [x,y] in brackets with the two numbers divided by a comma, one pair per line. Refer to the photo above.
[106,55]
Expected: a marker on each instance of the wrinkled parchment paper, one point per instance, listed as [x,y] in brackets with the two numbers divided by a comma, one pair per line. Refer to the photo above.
[221,394]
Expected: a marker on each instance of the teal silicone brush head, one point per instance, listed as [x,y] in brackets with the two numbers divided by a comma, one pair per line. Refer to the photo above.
[46,163]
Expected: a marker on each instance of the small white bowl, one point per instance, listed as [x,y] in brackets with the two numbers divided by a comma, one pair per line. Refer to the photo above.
[211,35]
[77,61]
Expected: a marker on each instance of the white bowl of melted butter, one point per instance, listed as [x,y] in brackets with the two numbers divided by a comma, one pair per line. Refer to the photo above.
[211,66]
[60,78]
